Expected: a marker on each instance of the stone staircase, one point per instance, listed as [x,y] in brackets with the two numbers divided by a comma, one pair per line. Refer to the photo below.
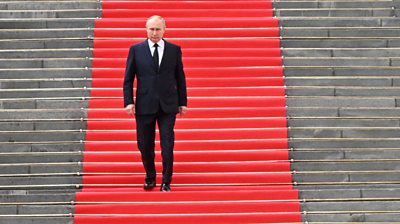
[342,76]
[45,51]
[343,84]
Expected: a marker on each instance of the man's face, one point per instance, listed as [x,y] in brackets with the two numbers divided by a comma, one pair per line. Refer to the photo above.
[155,30]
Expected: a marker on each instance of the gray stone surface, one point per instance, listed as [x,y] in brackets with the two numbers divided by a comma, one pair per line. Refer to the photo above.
[347,166]
[47,53]
[37,220]
[339,81]
[46,23]
[332,43]
[45,73]
[335,13]
[41,158]
[88,13]
[50,5]
[45,209]
[343,143]
[329,22]
[44,93]
[340,102]
[333,4]
[46,44]
[45,63]
[37,197]
[7,182]
[38,136]
[291,61]
[318,122]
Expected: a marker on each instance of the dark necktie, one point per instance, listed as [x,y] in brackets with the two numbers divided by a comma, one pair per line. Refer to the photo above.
[155,57]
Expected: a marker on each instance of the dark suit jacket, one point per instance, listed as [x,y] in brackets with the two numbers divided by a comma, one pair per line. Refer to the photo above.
[165,88]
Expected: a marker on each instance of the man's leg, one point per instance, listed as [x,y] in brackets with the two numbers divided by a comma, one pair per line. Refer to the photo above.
[166,123]
[145,132]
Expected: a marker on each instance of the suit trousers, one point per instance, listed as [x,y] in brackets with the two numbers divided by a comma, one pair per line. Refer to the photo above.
[145,131]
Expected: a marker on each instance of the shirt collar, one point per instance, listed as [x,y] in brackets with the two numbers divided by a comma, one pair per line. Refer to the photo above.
[160,43]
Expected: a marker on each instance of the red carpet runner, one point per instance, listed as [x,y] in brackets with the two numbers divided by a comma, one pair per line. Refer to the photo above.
[231,149]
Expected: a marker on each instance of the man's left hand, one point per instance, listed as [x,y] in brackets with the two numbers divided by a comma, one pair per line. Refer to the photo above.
[182,110]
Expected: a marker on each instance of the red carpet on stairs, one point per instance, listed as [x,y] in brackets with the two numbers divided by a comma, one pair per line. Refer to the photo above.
[231,151]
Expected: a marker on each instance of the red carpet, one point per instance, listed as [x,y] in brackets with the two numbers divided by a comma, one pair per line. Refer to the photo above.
[231,151]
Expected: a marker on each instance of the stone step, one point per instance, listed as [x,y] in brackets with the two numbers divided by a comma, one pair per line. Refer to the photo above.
[42,105]
[46,23]
[37,220]
[41,157]
[285,43]
[287,52]
[42,136]
[343,143]
[49,5]
[288,61]
[353,217]
[31,125]
[338,22]
[68,182]
[41,169]
[374,167]
[43,83]
[46,63]
[338,71]
[329,61]
[341,102]
[340,43]
[37,209]
[295,132]
[352,132]
[41,147]
[46,33]
[286,32]
[348,112]
[299,91]
[43,114]
[74,13]
[345,178]
[58,73]
[339,81]
[350,193]
[344,32]
[353,206]
[337,154]
[335,52]
[336,12]
[297,94]
[46,44]
[321,122]
[333,4]
[48,53]
[43,93]
[38,197]
[352,112]
[284,22]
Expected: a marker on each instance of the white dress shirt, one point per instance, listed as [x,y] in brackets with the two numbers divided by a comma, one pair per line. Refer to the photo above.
[160,49]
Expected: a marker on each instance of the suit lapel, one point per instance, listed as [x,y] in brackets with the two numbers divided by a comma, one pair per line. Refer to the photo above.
[147,54]
[166,50]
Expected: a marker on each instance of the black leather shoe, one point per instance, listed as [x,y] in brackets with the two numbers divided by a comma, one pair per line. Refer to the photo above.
[149,184]
[165,187]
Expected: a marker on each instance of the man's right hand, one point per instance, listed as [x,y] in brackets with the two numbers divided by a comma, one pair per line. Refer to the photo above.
[130,109]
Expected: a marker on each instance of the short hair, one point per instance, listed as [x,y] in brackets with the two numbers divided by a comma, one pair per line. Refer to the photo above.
[156,17]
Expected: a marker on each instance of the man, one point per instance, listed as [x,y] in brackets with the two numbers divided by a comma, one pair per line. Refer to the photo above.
[160,95]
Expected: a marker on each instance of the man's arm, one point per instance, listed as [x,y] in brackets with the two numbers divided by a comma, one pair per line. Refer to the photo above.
[181,85]
[129,79]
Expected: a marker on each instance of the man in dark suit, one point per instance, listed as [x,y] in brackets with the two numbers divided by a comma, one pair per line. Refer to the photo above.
[160,95]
